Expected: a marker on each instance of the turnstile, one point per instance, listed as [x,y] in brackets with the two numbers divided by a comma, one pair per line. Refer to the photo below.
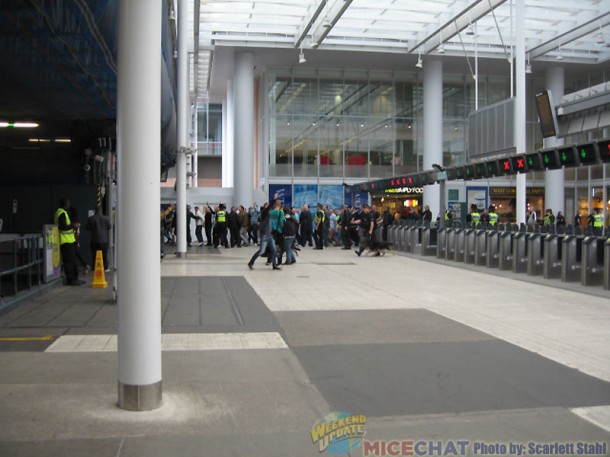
[414,239]
[441,242]
[505,251]
[460,244]
[520,252]
[451,237]
[469,245]
[480,246]
[402,238]
[493,249]
[429,239]
[535,254]
[592,270]
[571,258]
[551,267]
[607,264]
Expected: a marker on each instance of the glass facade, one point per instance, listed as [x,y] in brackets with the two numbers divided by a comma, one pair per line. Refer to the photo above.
[363,124]
[209,129]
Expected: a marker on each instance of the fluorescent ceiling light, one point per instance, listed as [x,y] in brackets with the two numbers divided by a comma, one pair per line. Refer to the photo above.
[18,124]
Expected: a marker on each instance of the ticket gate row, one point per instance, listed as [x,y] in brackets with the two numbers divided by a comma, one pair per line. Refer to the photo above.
[569,257]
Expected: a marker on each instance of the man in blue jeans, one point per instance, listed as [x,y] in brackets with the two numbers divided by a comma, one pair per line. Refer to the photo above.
[266,239]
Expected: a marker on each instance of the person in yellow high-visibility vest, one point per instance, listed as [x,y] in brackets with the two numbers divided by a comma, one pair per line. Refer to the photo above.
[67,242]
[598,222]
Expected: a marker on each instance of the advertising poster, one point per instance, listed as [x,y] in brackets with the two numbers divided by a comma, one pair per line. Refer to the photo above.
[51,260]
[284,192]
[305,194]
[331,196]
[478,196]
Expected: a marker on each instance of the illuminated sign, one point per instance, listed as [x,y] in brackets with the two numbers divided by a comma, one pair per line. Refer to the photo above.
[405,190]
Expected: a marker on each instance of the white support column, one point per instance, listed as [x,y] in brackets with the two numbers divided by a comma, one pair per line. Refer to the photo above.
[433,128]
[554,180]
[182,123]
[520,110]
[139,133]
[194,145]
[244,129]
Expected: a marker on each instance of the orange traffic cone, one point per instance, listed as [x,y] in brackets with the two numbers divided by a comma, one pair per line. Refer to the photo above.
[99,278]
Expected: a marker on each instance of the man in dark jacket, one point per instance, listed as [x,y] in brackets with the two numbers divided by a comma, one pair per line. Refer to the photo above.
[305,226]
[233,221]
[99,226]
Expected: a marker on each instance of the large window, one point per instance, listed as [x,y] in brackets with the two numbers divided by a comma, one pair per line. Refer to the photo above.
[209,128]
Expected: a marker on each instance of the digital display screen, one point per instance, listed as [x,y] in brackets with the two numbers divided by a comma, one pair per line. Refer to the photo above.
[567,156]
[548,122]
[534,161]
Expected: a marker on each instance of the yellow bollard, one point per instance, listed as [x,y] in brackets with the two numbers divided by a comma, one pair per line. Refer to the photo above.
[99,278]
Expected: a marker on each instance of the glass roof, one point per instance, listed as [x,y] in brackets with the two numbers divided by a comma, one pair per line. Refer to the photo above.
[576,31]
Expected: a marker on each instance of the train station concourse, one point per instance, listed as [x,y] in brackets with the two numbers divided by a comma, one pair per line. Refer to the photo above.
[304,228]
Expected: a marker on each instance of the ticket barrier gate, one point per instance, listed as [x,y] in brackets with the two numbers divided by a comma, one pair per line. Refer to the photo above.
[429,241]
[451,242]
[469,245]
[401,238]
[480,246]
[392,231]
[520,252]
[571,258]
[493,249]
[607,264]
[460,244]
[551,267]
[592,271]
[505,250]
[441,242]
[414,239]
[535,257]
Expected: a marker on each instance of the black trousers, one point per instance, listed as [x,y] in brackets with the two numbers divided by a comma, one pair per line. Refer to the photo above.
[100,247]
[68,258]
[318,236]
[198,233]
[208,234]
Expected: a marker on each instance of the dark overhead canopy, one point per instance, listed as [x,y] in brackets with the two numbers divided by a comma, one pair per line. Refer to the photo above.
[59,68]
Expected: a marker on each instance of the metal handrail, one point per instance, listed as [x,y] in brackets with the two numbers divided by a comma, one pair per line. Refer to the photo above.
[26,255]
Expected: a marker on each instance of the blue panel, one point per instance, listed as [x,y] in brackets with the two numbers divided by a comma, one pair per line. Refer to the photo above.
[305,194]
[331,196]
[284,192]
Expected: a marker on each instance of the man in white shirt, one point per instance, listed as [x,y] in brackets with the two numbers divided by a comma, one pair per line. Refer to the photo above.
[199,225]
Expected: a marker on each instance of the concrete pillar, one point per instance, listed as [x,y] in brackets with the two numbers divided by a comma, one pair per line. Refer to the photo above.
[554,180]
[228,122]
[244,129]
[139,133]
[182,123]
[433,129]
[520,110]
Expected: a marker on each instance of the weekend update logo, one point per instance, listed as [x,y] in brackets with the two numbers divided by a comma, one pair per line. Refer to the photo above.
[338,433]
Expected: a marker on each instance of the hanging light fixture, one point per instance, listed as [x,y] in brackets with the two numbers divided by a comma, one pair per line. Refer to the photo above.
[420,62]
[528,67]
[302,58]
[470,29]
[559,54]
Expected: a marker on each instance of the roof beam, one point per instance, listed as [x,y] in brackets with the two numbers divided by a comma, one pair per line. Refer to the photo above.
[333,16]
[577,32]
[455,25]
[305,27]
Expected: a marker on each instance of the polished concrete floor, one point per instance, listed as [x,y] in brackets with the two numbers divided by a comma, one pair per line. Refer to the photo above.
[426,350]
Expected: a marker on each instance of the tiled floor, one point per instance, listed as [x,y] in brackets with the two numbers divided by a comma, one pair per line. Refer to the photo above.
[252,359]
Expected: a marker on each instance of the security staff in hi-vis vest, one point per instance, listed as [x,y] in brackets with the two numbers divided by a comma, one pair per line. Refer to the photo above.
[598,222]
[473,218]
[221,225]
[493,216]
[67,242]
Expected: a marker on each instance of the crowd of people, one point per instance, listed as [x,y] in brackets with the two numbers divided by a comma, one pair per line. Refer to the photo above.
[280,231]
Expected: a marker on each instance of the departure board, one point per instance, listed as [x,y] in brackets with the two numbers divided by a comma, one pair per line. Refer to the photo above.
[548,122]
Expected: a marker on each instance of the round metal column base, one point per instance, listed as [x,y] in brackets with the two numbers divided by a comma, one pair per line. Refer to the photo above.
[181,255]
[140,398]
